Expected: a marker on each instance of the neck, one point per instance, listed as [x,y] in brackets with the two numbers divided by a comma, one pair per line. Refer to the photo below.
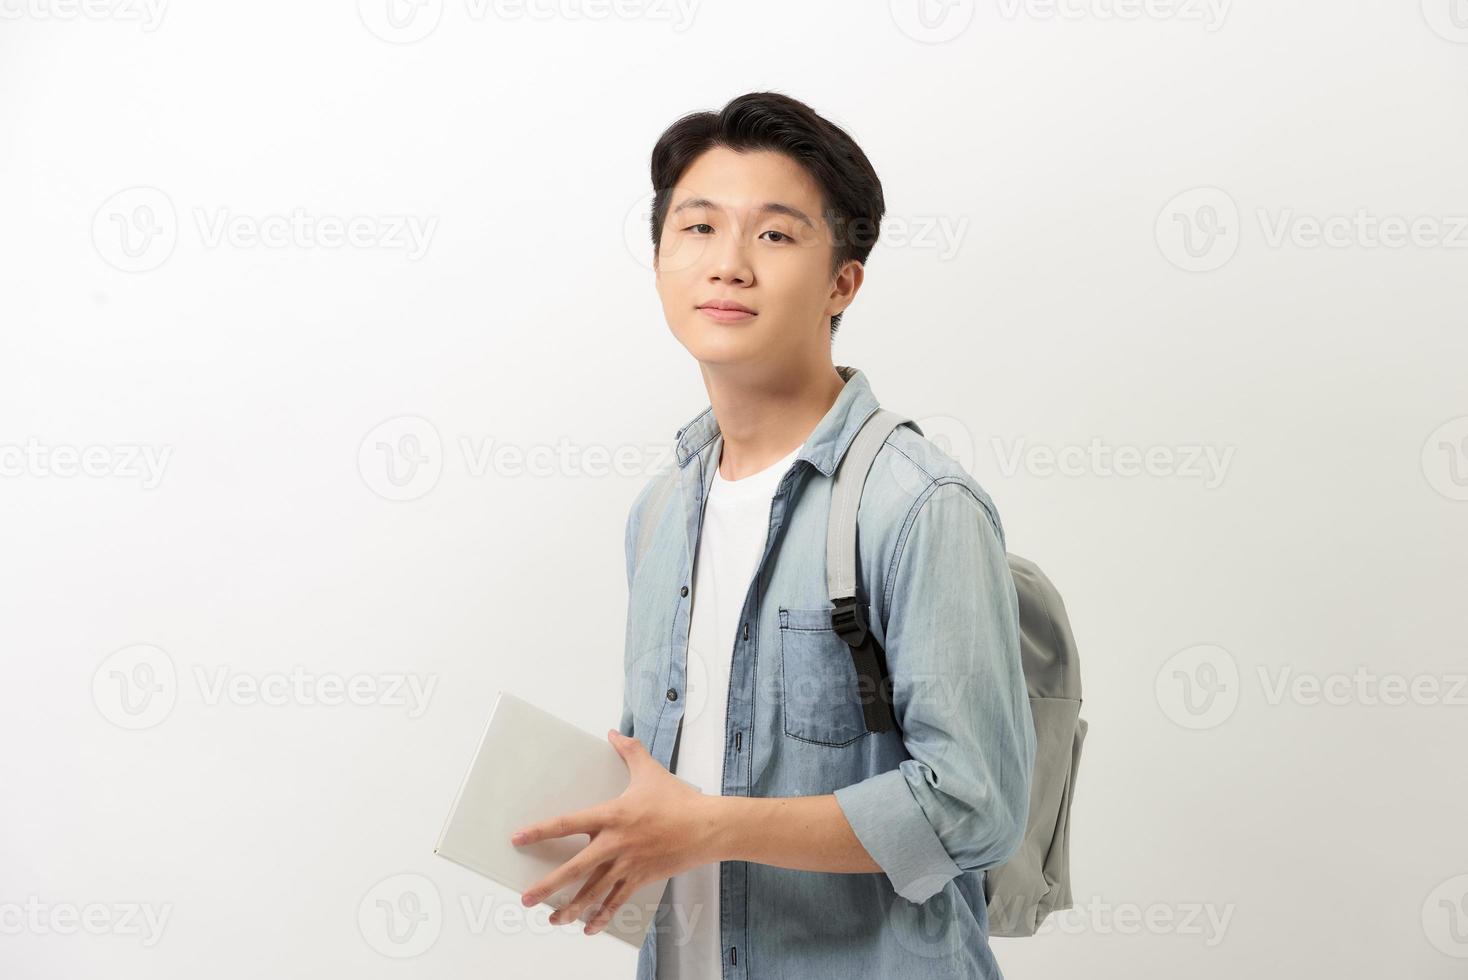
[763,419]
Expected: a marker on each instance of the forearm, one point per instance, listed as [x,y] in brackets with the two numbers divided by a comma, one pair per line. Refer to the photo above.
[806,833]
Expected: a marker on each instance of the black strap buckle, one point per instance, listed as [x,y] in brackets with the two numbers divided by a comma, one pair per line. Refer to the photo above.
[870,661]
[849,621]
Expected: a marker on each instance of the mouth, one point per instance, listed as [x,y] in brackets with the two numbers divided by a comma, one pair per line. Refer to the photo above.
[726,311]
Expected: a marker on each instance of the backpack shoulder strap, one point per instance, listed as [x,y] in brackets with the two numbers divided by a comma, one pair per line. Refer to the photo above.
[848,618]
[851,476]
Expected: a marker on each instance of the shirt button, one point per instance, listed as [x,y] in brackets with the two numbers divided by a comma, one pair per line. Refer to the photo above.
[672,694]
[746,631]
[683,591]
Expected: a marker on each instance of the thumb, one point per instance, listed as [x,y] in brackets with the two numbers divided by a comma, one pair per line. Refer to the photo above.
[630,749]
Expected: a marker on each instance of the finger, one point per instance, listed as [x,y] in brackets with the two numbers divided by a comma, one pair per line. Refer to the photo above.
[619,894]
[595,885]
[573,870]
[586,821]
[632,751]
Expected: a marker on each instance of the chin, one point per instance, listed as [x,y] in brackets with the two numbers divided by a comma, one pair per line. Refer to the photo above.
[713,343]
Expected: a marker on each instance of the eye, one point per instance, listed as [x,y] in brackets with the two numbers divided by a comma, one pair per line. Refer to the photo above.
[699,225]
[782,235]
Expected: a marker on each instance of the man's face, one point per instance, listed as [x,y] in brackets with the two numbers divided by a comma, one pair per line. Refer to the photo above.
[747,228]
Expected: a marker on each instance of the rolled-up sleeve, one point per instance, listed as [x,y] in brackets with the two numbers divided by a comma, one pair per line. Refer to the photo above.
[961,801]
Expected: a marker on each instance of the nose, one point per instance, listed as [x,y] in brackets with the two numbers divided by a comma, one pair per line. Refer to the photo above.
[729,263]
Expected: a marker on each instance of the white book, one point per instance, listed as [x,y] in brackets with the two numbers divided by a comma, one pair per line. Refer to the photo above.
[532,766]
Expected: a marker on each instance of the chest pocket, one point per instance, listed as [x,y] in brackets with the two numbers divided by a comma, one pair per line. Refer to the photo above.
[818,680]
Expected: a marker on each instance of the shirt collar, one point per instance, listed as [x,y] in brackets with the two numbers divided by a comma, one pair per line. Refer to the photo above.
[827,443]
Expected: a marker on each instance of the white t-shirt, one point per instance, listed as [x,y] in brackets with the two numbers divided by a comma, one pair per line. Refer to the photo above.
[736,521]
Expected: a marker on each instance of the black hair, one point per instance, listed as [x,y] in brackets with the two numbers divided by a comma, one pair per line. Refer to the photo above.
[852,204]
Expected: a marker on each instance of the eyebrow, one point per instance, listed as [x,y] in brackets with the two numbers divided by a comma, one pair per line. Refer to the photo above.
[773,207]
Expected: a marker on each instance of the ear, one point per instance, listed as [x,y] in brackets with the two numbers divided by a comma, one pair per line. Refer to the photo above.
[844,287]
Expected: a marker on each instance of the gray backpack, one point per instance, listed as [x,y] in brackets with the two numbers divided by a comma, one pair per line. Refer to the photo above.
[1035,881]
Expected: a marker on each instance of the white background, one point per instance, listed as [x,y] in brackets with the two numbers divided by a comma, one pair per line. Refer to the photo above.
[1041,287]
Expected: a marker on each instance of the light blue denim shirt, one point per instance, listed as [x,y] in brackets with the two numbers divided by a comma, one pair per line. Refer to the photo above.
[936,801]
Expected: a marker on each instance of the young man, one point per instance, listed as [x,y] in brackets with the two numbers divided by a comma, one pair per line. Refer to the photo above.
[818,848]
